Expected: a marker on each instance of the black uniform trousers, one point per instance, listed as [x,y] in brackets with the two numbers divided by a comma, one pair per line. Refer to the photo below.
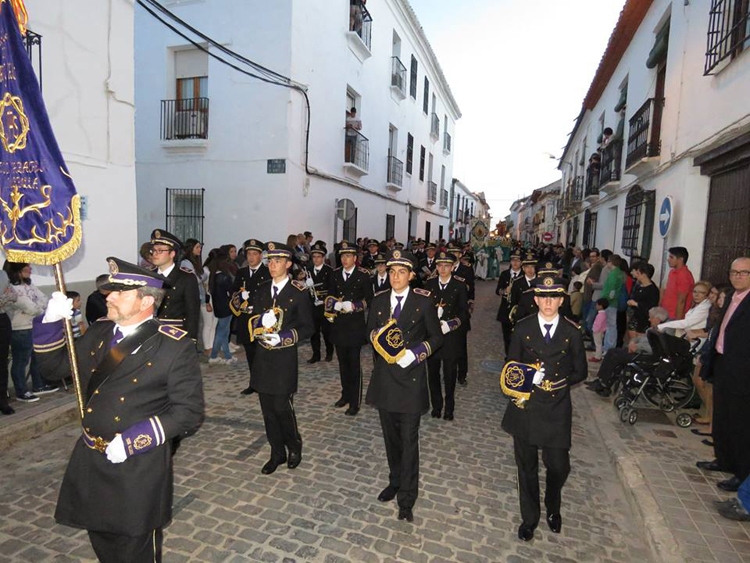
[557,463]
[250,348]
[116,548]
[731,425]
[350,371]
[321,326]
[5,334]
[281,424]
[450,374]
[507,333]
[401,435]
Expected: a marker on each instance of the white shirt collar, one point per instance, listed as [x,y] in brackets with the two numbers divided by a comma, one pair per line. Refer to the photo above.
[518,272]
[554,322]
[168,271]
[127,330]
[279,286]
[345,271]
[394,301]
[528,279]
[382,278]
[442,283]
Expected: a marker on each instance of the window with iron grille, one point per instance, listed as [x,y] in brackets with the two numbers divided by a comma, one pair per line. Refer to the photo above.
[426,100]
[728,31]
[413,77]
[422,154]
[589,229]
[638,224]
[409,152]
[350,227]
[185,213]
[390,226]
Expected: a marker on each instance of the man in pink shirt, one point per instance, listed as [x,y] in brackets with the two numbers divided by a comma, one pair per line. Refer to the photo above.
[725,363]
[677,297]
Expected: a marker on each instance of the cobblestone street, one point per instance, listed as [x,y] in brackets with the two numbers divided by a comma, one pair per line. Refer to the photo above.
[326,510]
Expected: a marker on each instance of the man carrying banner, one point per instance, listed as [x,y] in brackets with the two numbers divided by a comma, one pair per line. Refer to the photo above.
[405,330]
[143,388]
[545,358]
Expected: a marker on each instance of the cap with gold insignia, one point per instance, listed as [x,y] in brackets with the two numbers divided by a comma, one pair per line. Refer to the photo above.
[372,242]
[548,286]
[278,250]
[318,249]
[400,258]
[529,259]
[548,269]
[430,246]
[253,244]
[399,245]
[453,249]
[124,276]
[160,236]
[347,248]
[445,258]
[516,254]
[380,259]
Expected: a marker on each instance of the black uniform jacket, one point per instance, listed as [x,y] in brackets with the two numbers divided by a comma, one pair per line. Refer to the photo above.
[546,418]
[243,280]
[275,370]
[392,387]
[502,284]
[350,329]
[161,378]
[425,263]
[378,288]
[455,302]
[322,282]
[182,302]
[368,261]
[526,305]
[467,273]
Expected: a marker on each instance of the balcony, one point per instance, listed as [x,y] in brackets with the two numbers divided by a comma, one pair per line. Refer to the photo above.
[431,192]
[447,144]
[398,79]
[644,137]
[443,199]
[33,44]
[591,192]
[609,176]
[575,195]
[184,119]
[395,174]
[356,152]
[435,128]
[360,30]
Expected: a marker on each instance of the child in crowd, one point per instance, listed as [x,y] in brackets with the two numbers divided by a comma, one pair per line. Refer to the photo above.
[600,327]
[576,300]
[76,322]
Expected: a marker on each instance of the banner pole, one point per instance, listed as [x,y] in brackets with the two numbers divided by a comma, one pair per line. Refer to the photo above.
[70,345]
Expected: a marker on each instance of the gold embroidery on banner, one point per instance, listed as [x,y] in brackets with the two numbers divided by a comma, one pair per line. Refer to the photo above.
[14,125]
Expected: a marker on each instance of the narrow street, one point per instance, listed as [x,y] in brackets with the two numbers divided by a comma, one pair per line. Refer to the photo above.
[326,510]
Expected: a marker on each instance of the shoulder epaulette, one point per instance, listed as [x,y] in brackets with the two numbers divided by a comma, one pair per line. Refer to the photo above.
[269,280]
[100,319]
[420,291]
[337,269]
[526,319]
[364,270]
[186,270]
[299,285]
[575,324]
[381,292]
[459,278]
[172,331]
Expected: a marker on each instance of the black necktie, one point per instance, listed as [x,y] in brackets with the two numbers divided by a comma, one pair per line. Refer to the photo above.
[346,276]
[547,336]
[252,272]
[275,293]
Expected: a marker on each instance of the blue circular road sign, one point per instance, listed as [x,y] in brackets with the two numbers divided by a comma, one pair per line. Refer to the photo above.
[665,216]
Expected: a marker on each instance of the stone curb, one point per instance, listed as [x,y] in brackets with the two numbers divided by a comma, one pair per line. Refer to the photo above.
[661,541]
[38,424]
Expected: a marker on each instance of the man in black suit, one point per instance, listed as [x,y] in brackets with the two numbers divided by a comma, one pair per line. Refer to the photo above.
[725,360]
[282,319]
[452,305]
[368,261]
[544,421]
[504,287]
[318,281]
[182,302]
[380,280]
[349,294]
[526,304]
[464,273]
[243,292]
[142,388]
[96,304]
[399,390]
[521,287]
[427,264]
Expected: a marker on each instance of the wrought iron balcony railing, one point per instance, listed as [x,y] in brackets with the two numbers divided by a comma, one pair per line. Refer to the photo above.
[592,181]
[435,129]
[398,75]
[443,198]
[184,119]
[431,192]
[357,149]
[576,190]
[360,22]
[395,171]
[644,135]
[611,163]
[33,43]
[447,142]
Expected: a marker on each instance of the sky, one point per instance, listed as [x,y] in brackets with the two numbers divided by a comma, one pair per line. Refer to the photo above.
[519,70]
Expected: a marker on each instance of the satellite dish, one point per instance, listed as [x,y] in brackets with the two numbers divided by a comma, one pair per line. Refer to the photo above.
[345,209]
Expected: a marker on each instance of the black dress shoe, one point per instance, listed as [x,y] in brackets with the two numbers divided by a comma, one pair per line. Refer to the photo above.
[733,510]
[388,494]
[405,514]
[351,411]
[313,360]
[707,442]
[329,357]
[448,416]
[525,533]
[604,392]
[730,485]
[709,465]
[340,403]
[700,432]
[295,458]
[435,414]
[6,409]
[248,391]
[462,381]
[271,466]
[554,521]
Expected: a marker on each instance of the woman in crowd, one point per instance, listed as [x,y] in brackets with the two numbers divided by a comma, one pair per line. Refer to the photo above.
[643,297]
[697,316]
[220,283]
[192,262]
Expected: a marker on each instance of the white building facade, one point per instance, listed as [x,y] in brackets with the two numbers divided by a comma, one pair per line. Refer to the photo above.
[87,84]
[221,156]
[465,205]
[680,123]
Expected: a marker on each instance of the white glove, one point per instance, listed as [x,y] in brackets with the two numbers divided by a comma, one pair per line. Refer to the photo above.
[347,306]
[440,312]
[309,282]
[245,295]
[249,310]
[407,360]
[59,307]
[318,303]
[116,450]
[268,319]
[539,376]
[272,339]
[338,306]
[444,327]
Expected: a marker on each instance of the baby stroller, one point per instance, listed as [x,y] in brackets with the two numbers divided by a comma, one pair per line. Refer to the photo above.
[662,378]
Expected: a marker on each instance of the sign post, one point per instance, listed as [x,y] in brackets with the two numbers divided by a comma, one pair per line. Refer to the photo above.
[666,212]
